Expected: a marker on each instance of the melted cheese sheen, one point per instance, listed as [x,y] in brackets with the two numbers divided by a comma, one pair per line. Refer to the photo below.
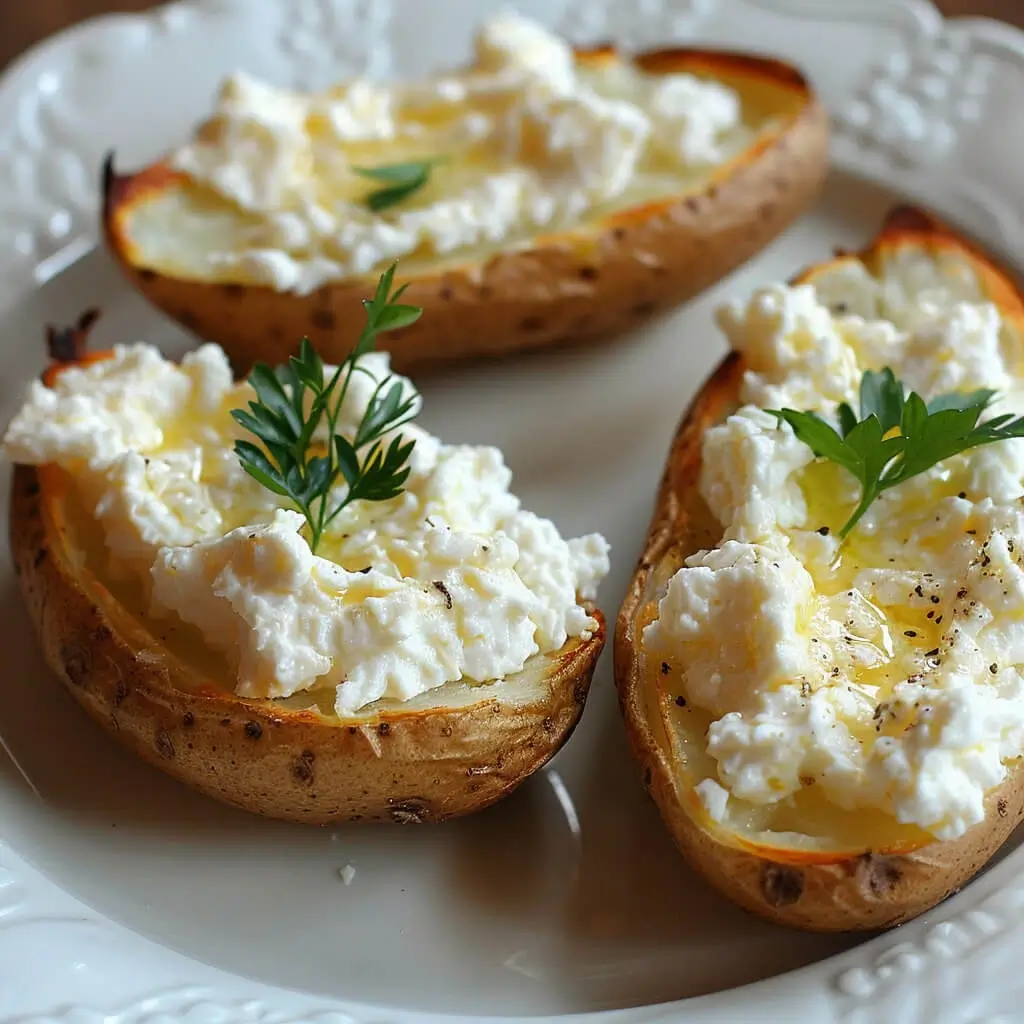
[450,580]
[529,139]
[888,672]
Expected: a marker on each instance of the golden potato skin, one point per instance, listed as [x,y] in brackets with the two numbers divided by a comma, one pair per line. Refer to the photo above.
[567,288]
[294,765]
[829,892]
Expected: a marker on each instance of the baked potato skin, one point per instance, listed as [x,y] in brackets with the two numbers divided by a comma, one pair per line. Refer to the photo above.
[294,765]
[829,892]
[567,288]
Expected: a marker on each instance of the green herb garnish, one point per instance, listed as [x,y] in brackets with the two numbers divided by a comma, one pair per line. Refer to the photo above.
[898,437]
[292,402]
[399,180]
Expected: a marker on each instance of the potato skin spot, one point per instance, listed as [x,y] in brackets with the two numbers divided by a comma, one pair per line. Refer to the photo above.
[882,874]
[302,769]
[410,812]
[532,323]
[781,885]
[77,663]
[164,745]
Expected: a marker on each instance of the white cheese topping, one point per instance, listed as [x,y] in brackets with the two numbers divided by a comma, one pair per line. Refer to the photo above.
[889,673]
[530,139]
[450,580]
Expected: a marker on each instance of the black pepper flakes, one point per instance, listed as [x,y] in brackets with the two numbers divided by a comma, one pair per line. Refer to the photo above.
[910,632]
[445,593]
[934,598]
[681,702]
[993,668]
[664,668]
[824,531]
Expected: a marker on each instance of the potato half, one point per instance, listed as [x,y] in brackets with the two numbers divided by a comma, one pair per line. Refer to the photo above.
[447,752]
[604,275]
[871,872]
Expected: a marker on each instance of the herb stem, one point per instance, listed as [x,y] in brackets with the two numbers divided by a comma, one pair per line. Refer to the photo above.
[287,465]
[866,501]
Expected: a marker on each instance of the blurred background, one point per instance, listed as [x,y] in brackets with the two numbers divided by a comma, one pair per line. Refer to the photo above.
[24,22]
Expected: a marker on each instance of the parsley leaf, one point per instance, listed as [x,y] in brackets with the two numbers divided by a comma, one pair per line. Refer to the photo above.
[399,181]
[898,436]
[293,401]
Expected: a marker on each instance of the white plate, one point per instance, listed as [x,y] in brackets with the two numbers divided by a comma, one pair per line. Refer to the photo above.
[124,897]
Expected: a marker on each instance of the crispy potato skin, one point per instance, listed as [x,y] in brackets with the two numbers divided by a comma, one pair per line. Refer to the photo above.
[848,889]
[295,765]
[567,288]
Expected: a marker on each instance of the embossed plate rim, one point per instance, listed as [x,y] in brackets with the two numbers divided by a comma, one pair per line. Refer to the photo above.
[975,931]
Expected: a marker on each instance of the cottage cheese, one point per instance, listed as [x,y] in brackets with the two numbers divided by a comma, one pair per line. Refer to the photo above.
[889,672]
[530,141]
[451,580]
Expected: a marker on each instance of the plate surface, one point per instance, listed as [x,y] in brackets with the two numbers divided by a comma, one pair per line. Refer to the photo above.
[125,897]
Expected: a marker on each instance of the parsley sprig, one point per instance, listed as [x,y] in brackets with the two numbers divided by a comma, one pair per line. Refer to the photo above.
[293,401]
[898,436]
[399,181]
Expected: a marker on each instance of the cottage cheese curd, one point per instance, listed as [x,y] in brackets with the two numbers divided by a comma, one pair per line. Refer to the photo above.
[450,580]
[889,671]
[530,140]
